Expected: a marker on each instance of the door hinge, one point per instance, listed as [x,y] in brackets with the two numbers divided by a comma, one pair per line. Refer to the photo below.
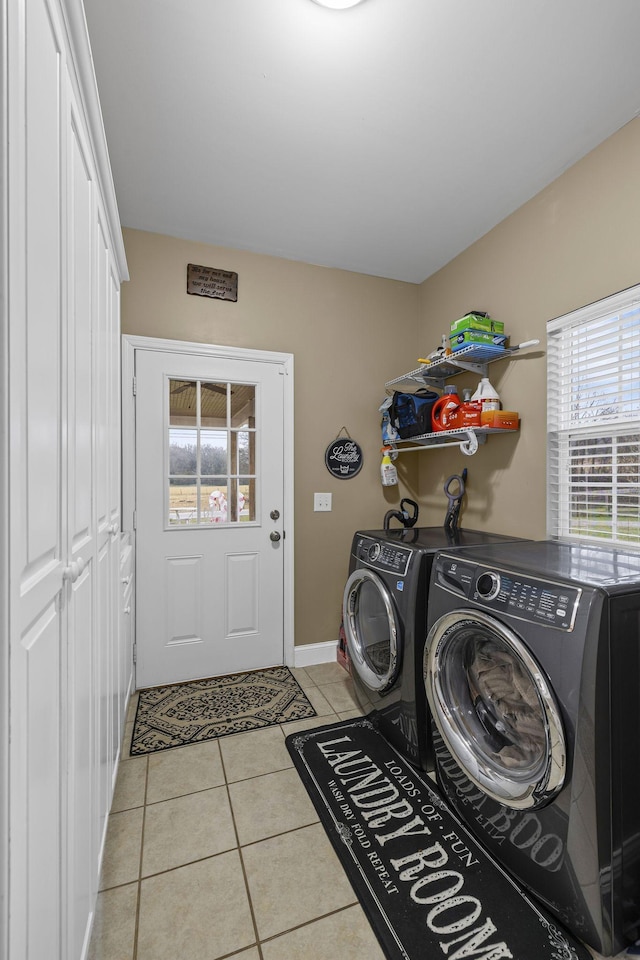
[134,386]
[135,653]
[135,519]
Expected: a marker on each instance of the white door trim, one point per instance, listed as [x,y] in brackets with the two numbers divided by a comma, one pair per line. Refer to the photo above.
[132,343]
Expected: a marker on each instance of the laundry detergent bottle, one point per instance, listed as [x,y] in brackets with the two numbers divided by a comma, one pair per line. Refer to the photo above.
[388,472]
[445,411]
[487,395]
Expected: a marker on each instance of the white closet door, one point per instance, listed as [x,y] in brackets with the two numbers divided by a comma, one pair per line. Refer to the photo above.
[123,679]
[81,870]
[38,515]
[118,668]
[104,614]
[68,670]
[107,677]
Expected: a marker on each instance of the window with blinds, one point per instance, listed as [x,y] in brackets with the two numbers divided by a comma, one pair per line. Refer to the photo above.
[593,422]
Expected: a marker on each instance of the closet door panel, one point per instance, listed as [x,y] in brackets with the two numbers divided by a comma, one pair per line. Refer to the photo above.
[102,704]
[81,884]
[115,478]
[79,318]
[41,643]
[103,371]
[117,665]
[37,515]
[42,468]
[108,526]
[81,865]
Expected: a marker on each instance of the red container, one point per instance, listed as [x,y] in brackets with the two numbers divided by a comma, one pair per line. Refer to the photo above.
[470,413]
[449,413]
[444,414]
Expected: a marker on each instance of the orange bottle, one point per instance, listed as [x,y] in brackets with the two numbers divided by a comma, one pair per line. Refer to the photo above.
[445,412]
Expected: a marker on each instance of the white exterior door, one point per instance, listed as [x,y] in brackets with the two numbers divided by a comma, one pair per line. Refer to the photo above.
[209,515]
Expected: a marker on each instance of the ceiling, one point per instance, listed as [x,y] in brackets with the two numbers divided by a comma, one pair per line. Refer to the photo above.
[383,139]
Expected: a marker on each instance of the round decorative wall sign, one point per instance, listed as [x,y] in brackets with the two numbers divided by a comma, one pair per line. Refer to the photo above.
[343,457]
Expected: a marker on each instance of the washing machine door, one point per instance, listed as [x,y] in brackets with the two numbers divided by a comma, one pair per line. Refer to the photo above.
[372,629]
[494,708]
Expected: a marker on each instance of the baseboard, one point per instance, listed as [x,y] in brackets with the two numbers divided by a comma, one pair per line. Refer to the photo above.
[311,653]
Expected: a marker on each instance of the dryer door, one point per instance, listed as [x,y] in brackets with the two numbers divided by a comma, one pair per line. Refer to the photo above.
[494,708]
[372,629]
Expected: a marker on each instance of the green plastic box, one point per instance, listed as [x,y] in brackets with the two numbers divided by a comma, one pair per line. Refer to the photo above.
[474,322]
[480,337]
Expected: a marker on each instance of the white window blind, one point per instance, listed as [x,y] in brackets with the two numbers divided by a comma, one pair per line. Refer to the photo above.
[593,422]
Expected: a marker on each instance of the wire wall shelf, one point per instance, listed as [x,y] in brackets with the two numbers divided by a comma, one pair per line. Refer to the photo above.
[475,358]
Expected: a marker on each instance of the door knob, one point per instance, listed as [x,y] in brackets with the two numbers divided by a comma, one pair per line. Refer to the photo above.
[275,536]
[71,572]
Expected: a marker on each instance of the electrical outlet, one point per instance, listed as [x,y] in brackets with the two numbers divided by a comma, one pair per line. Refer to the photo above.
[321,501]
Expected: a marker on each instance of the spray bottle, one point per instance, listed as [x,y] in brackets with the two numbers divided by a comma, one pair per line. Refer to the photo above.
[388,472]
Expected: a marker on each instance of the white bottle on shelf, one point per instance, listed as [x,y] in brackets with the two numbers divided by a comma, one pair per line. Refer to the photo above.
[487,395]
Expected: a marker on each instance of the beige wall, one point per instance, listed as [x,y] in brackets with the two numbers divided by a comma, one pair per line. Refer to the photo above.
[348,334]
[575,242]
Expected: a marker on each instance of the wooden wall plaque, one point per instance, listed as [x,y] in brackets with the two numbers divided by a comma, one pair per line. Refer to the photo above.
[209,282]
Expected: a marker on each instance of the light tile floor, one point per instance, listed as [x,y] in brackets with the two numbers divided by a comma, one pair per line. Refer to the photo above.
[215,851]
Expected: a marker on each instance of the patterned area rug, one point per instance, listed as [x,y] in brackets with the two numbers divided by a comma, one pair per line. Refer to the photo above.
[201,710]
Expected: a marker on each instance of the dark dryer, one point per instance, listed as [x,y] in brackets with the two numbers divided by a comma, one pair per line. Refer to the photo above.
[385,619]
[532,671]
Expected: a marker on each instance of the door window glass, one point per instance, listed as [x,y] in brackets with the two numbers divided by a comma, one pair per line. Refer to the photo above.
[211,453]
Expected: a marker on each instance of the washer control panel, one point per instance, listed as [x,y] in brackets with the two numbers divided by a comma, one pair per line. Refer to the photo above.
[383,556]
[525,597]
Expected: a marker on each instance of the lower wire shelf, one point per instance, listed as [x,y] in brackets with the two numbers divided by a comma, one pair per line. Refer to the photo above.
[468,439]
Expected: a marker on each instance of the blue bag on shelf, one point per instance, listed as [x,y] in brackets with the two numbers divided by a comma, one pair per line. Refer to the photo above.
[410,413]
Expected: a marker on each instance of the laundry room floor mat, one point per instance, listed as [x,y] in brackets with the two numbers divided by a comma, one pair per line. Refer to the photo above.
[182,713]
[428,889]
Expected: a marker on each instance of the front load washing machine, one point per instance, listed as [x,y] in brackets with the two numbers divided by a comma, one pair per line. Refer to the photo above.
[532,672]
[384,612]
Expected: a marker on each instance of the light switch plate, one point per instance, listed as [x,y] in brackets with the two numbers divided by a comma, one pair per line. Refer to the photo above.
[321,502]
